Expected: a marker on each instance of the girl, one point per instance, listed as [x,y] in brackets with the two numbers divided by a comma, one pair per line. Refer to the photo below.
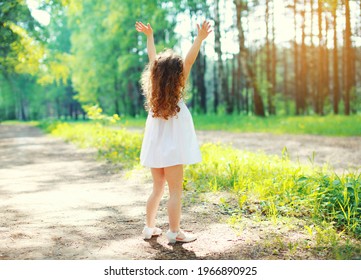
[169,139]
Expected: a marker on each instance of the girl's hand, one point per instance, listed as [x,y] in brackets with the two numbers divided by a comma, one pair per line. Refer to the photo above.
[146,29]
[205,30]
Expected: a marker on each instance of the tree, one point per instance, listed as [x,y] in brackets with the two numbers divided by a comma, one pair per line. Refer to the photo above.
[296,61]
[109,52]
[336,84]
[348,59]
[270,60]
[56,72]
[91,54]
[199,69]
[268,63]
[326,52]
[321,59]
[245,57]
[15,16]
[303,65]
[312,62]
[21,52]
[221,79]
[274,60]
[285,81]
[240,78]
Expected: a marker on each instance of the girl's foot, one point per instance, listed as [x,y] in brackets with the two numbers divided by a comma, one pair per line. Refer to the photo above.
[149,232]
[180,236]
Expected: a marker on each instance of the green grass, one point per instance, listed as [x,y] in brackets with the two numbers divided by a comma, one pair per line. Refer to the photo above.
[114,145]
[279,187]
[318,125]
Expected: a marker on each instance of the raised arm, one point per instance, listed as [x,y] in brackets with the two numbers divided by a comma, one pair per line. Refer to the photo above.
[203,33]
[148,31]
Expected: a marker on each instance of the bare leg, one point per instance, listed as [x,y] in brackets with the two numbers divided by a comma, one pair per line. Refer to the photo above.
[156,195]
[174,177]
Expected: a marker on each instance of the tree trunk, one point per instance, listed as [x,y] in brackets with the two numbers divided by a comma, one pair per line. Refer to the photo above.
[116,98]
[327,92]
[257,99]
[268,63]
[200,84]
[222,87]
[233,74]
[274,62]
[336,85]
[116,106]
[240,72]
[247,98]
[133,107]
[58,107]
[23,115]
[312,66]
[353,100]
[321,81]
[348,59]
[285,81]
[215,91]
[194,100]
[230,96]
[303,73]
[296,66]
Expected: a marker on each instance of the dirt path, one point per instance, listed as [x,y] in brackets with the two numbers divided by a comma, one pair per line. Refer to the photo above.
[58,202]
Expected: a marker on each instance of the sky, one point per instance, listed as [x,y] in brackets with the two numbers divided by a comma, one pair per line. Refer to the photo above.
[41,16]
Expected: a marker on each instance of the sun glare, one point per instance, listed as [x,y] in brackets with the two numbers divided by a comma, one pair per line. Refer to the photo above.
[41,16]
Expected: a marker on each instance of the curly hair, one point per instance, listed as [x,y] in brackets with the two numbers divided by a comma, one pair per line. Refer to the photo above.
[163,84]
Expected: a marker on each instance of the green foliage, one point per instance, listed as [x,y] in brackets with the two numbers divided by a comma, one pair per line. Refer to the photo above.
[91,54]
[328,241]
[111,54]
[16,91]
[17,30]
[339,200]
[276,187]
[19,50]
[95,113]
[116,146]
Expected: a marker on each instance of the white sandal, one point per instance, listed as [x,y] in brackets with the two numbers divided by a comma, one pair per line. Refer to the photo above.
[180,236]
[149,232]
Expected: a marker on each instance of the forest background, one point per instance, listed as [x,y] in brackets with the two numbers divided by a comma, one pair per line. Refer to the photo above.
[296,57]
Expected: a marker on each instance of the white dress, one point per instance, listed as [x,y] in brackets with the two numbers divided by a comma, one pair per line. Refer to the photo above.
[170,142]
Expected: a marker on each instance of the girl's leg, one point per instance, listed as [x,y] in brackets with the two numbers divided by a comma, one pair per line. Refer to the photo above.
[174,177]
[156,195]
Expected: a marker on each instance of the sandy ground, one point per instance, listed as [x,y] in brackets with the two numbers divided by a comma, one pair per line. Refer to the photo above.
[59,202]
